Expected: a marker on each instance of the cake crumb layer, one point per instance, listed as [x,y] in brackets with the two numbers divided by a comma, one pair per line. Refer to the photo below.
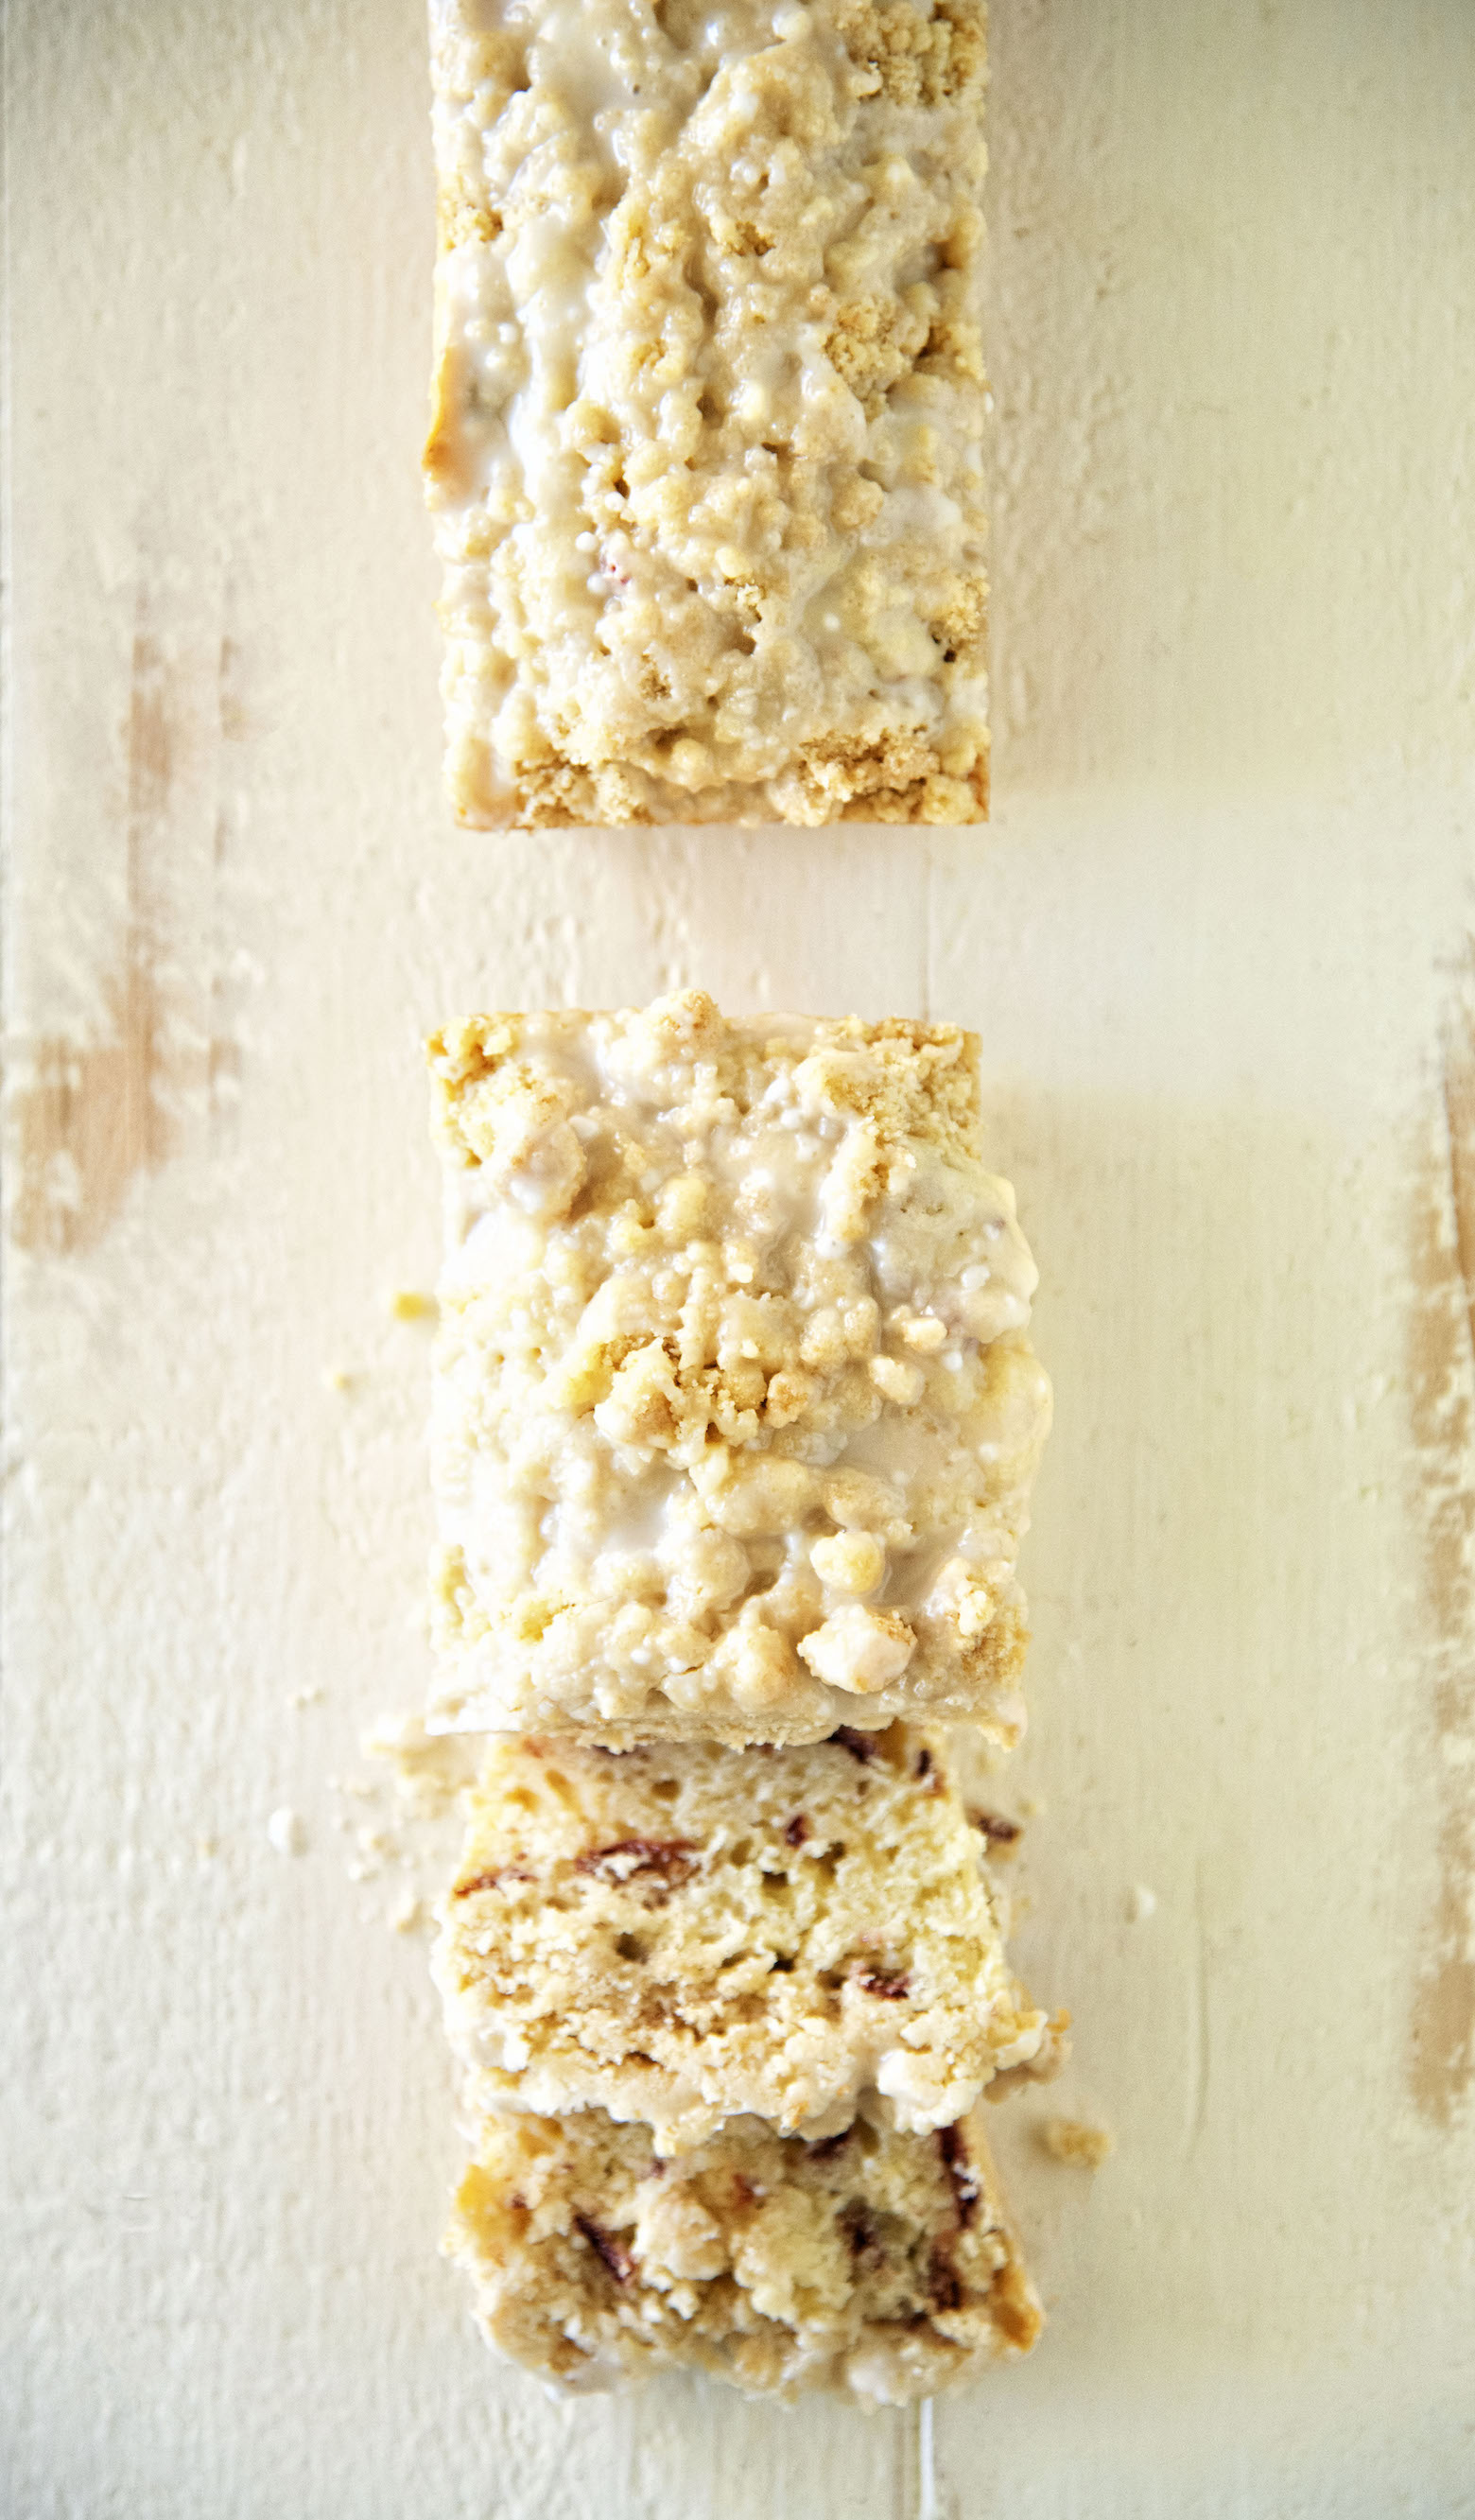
[684,1935]
[876,2263]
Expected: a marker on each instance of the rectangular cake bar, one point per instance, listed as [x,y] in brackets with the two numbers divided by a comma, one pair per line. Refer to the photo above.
[684,1935]
[875,2262]
[704,461]
[734,1416]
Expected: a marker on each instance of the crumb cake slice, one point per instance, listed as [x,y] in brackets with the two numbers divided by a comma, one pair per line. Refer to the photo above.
[875,2262]
[684,1934]
[705,462]
[734,1412]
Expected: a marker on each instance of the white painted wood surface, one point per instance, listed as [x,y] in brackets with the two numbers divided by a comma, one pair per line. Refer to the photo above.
[1218,945]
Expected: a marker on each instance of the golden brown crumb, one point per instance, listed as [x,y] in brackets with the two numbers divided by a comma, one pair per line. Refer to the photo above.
[1072,2141]
[412,1304]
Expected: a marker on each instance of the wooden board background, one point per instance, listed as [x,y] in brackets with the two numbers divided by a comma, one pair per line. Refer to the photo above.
[1218,943]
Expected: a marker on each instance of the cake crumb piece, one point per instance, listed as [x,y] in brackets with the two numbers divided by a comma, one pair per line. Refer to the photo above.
[286,1832]
[1072,2141]
[412,1304]
[430,1771]
[1000,1833]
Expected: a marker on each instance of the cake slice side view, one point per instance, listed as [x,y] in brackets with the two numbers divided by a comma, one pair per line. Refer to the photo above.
[682,1935]
[876,2263]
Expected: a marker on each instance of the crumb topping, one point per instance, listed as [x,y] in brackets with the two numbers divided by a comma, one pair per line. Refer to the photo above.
[704,459]
[735,1413]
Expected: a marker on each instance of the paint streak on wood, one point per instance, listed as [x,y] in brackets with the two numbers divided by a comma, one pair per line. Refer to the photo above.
[1442,2051]
[88,1118]
[92,1112]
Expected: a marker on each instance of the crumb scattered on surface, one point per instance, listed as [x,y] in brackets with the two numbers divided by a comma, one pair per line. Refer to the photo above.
[1072,2141]
[428,1770]
[402,1823]
[376,1849]
[337,1378]
[1001,1834]
[412,1304]
[1141,1903]
[286,1832]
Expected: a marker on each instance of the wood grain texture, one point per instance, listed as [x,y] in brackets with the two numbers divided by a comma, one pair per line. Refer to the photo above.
[1215,946]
